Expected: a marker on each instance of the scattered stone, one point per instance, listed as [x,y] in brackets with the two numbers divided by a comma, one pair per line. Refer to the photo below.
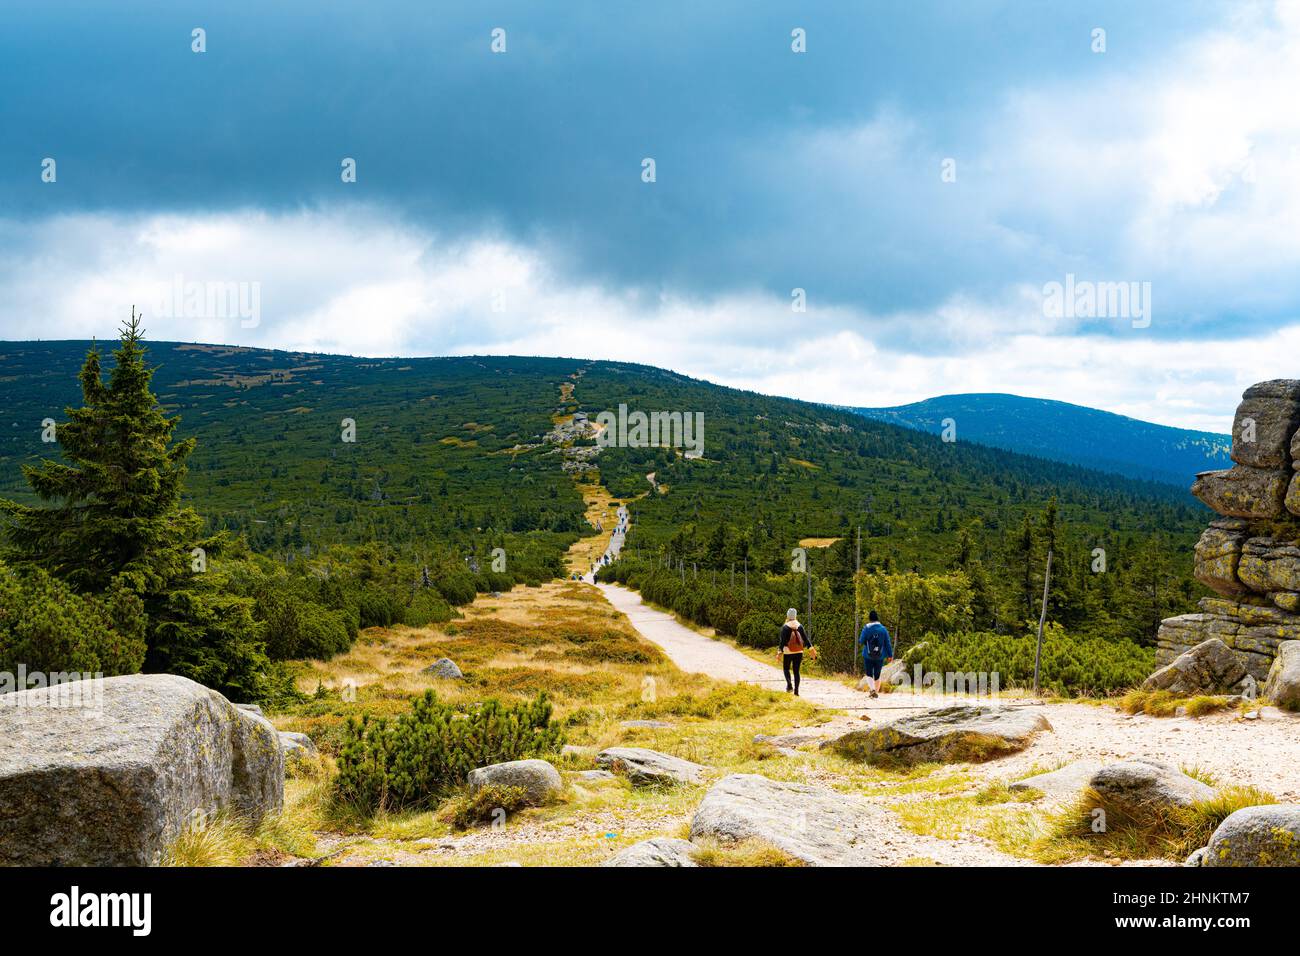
[540,781]
[791,740]
[1257,836]
[651,724]
[659,851]
[642,766]
[595,776]
[817,826]
[445,668]
[1196,858]
[296,746]
[1210,667]
[1060,785]
[1283,684]
[1134,789]
[115,781]
[951,734]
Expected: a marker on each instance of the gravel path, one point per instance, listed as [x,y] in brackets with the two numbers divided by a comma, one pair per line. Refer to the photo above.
[1264,753]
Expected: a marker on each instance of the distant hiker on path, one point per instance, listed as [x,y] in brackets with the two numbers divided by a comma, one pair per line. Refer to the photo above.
[877,651]
[791,645]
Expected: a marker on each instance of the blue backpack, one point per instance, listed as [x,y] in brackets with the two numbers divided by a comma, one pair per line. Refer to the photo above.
[874,647]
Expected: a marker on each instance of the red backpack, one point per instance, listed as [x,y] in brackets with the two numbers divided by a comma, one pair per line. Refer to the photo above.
[795,642]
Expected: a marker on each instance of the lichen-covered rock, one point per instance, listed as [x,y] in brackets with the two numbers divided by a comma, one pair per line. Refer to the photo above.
[816,826]
[540,781]
[445,668]
[1140,789]
[1268,565]
[1256,836]
[642,766]
[1210,667]
[658,851]
[950,734]
[1283,684]
[1266,420]
[1243,491]
[1217,555]
[114,782]
[1251,625]
[1292,500]
[297,747]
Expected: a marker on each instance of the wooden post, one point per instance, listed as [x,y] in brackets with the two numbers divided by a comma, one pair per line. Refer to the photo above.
[857,608]
[1042,619]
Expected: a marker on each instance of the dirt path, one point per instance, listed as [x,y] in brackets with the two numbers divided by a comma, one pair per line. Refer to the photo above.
[1263,753]
[697,654]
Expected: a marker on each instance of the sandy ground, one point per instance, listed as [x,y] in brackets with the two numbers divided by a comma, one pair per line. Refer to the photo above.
[1264,753]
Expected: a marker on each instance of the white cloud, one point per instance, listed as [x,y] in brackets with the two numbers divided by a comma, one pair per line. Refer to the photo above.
[358,282]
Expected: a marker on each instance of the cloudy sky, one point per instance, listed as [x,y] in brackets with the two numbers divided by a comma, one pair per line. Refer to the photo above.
[924,172]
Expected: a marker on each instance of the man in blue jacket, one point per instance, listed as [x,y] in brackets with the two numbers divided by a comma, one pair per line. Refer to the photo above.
[877,651]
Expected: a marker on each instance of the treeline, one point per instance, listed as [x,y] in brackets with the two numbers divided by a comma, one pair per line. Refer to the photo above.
[110,573]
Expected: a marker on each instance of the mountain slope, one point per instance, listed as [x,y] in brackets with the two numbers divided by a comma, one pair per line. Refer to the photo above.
[1067,433]
[454,449]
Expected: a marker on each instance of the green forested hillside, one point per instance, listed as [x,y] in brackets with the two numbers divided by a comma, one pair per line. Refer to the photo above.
[450,455]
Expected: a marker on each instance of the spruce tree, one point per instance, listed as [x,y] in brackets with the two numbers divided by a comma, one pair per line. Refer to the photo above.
[115,498]
[114,523]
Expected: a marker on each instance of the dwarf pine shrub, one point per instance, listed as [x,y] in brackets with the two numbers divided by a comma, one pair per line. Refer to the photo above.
[423,756]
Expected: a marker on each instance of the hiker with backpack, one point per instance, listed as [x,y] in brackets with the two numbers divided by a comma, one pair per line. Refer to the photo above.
[790,645]
[877,651]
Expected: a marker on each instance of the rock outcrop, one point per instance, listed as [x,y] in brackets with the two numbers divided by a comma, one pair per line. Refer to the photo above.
[1256,836]
[1061,785]
[816,826]
[642,766]
[659,851]
[1211,667]
[1140,790]
[1251,555]
[445,668]
[540,781]
[113,781]
[947,735]
[1283,684]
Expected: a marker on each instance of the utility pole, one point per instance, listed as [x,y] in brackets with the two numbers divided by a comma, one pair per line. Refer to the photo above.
[1042,619]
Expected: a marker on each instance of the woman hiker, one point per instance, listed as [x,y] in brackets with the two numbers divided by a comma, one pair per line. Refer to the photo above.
[791,645]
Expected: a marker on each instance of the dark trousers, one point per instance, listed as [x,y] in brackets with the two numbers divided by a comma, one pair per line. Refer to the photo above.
[791,662]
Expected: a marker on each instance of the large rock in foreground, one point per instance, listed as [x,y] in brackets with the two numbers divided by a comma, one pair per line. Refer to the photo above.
[1283,684]
[819,827]
[1211,667]
[1256,836]
[540,781]
[1062,785]
[659,851]
[1140,790]
[642,766]
[114,781]
[949,735]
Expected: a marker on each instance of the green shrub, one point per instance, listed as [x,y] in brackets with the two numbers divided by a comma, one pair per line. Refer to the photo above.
[1070,665]
[484,806]
[423,756]
[427,607]
[45,626]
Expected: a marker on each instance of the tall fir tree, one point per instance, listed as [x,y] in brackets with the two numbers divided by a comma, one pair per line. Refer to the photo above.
[114,522]
[116,496]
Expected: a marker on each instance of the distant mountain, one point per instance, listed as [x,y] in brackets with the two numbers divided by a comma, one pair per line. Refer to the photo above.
[1073,434]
